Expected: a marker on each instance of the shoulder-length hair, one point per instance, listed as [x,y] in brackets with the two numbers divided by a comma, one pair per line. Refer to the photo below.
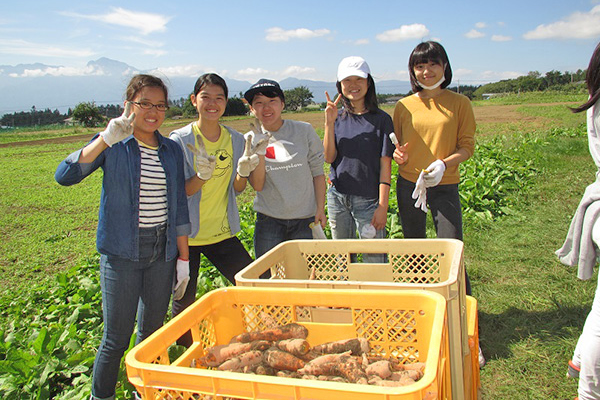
[592,80]
[426,52]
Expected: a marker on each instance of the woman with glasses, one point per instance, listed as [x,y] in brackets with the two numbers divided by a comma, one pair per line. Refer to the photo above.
[143,222]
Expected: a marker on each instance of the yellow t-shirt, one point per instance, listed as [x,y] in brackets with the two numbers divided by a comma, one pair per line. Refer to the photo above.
[434,129]
[214,226]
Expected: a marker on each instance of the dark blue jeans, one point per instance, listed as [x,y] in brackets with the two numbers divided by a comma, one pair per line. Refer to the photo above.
[445,207]
[129,288]
[269,231]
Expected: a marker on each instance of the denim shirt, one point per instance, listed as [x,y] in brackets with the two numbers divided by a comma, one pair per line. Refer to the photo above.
[118,220]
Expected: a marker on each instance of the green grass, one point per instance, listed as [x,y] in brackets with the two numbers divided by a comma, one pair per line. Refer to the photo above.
[531,308]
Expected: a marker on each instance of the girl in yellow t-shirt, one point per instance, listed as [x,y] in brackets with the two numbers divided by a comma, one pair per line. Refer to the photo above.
[437,128]
[216,171]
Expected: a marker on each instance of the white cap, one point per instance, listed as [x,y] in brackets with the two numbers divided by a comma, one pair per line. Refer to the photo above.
[353,66]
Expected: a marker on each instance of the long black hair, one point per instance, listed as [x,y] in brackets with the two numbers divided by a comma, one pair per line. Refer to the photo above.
[371,103]
[210,79]
[423,53]
[592,80]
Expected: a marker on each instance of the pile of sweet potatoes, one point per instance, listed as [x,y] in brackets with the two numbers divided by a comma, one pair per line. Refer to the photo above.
[284,351]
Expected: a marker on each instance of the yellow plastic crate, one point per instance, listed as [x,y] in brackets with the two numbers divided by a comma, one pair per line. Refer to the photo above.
[425,264]
[471,362]
[410,325]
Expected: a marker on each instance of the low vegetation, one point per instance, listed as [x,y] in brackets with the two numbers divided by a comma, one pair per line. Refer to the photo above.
[519,192]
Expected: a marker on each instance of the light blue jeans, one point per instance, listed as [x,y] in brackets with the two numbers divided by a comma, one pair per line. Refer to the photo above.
[348,213]
[129,288]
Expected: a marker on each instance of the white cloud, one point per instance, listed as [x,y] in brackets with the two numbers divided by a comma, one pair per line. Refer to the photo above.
[474,34]
[276,34]
[296,71]
[18,46]
[579,25]
[361,42]
[405,32]
[182,70]
[501,38]
[252,72]
[58,71]
[461,73]
[495,76]
[501,23]
[144,22]
[480,25]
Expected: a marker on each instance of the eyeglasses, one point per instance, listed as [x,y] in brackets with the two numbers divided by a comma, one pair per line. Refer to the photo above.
[146,105]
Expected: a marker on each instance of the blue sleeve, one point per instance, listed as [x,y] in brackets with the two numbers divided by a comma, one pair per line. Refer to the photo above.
[184,228]
[70,171]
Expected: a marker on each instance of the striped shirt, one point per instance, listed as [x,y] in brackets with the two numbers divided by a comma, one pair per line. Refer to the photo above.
[153,189]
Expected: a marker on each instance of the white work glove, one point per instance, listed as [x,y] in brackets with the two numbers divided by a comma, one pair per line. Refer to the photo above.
[119,128]
[248,161]
[205,164]
[182,277]
[420,193]
[435,173]
[260,140]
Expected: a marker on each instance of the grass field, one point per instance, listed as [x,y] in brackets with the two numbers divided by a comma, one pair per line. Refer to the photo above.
[531,307]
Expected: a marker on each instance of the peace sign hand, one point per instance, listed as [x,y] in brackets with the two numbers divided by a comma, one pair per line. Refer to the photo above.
[119,128]
[248,161]
[260,139]
[331,111]
[205,164]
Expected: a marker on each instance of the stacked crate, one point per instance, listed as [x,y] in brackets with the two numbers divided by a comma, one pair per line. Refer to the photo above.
[411,264]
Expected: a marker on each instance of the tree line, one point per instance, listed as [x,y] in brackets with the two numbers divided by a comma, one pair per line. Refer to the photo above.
[90,114]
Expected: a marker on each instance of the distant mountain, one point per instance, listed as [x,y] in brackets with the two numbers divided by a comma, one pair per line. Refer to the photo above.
[103,81]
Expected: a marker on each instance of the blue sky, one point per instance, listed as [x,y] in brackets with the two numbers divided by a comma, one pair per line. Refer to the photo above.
[486,40]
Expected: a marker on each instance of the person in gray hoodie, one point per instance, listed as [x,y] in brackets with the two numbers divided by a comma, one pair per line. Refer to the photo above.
[291,188]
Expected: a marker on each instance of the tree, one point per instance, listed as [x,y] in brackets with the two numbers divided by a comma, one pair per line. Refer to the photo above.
[297,97]
[235,106]
[88,114]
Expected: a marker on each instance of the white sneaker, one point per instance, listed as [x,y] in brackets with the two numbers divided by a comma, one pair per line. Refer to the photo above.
[481,358]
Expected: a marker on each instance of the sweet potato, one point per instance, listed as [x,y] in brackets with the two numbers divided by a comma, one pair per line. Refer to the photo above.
[357,346]
[381,368]
[216,355]
[412,374]
[281,332]
[323,365]
[282,360]
[243,360]
[351,369]
[418,366]
[297,347]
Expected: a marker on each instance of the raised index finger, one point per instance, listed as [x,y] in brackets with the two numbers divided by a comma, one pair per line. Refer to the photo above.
[327,97]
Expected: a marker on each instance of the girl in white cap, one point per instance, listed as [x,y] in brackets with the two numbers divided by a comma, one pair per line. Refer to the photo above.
[358,147]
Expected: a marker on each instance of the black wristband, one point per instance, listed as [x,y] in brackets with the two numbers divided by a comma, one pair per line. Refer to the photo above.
[385,183]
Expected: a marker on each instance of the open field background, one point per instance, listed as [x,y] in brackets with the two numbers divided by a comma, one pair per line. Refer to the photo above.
[531,307]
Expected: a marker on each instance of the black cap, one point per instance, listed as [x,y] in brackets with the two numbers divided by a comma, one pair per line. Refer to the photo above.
[263,86]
